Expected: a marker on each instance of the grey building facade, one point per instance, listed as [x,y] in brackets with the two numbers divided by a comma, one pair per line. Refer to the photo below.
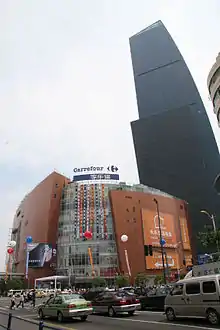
[174,143]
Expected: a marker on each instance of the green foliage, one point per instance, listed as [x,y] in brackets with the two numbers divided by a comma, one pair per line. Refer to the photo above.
[121,281]
[158,279]
[209,238]
[141,279]
[182,276]
[11,284]
[98,282]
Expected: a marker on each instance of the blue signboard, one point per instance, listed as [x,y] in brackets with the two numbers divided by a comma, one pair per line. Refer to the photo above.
[203,258]
[98,176]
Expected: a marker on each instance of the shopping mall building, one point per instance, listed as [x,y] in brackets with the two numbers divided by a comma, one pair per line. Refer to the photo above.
[57,213]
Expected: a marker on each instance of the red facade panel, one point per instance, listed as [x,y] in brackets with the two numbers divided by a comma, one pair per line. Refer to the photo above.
[38,216]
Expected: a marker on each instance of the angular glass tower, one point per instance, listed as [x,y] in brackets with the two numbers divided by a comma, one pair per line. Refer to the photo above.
[174,143]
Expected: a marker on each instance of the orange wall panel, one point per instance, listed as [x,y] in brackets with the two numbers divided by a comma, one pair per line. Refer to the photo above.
[38,216]
[127,210]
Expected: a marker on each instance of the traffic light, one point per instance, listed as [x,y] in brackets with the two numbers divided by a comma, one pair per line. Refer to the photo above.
[146,250]
[150,250]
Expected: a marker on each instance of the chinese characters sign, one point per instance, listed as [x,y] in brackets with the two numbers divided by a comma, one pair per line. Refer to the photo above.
[151,229]
[170,259]
[98,176]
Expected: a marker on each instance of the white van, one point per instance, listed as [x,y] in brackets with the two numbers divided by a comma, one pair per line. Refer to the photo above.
[195,297]
[17,293]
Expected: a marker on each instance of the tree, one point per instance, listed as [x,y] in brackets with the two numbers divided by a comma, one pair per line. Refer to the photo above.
[158,279]
[121,281]
[141,279]
[209,238]
[98,282]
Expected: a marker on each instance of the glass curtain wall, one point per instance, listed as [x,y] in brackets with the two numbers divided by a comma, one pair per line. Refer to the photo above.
[86,208]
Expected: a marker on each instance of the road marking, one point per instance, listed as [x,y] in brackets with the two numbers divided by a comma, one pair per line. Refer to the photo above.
[164,323]
[55,326]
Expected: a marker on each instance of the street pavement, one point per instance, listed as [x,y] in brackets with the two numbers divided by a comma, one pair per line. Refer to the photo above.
[142,320]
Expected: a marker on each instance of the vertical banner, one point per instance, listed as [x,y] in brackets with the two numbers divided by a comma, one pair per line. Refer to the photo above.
[88,207]
[101,210]
[127,263]
[104,212]
[77,211]
[91,260]
[81,212]
[6,272]
[84,209]
[27,262]
[91,211]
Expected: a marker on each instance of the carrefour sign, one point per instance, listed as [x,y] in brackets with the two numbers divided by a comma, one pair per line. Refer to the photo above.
[110,168]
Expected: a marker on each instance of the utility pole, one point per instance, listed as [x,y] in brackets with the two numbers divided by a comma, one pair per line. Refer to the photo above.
[161,243]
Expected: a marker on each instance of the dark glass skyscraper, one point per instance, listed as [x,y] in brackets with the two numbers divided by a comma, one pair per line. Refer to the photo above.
[174,143]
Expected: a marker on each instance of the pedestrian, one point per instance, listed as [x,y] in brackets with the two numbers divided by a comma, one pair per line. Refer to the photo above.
[12,302]
[21,302]
[33,298]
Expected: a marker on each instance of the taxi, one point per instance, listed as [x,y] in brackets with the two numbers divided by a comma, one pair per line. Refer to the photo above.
[64,306]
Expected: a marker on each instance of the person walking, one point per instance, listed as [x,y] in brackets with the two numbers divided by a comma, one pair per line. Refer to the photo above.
[12,302]
[33,298]
[21,302]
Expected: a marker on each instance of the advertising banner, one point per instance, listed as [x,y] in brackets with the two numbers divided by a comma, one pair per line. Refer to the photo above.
[41,255]
[155,261]
[185,234]
[98,176]
[151,228]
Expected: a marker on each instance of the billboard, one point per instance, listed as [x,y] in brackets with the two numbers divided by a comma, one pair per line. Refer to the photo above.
[98,176]
[151,228]
[41,255]
[155,262]
[185,234]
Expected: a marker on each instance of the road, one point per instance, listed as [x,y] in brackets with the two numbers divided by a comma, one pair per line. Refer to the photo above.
[142,320]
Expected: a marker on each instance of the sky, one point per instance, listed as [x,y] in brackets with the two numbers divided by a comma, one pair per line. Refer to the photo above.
[67,93]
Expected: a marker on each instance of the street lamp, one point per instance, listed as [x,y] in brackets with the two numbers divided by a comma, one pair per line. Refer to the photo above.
[212,218]
[161,240]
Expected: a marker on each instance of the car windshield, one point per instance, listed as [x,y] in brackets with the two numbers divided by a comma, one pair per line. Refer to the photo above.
[67,297]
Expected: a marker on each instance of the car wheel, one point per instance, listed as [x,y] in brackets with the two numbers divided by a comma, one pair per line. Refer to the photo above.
[111,312]
[41,314]
[59,317]
[83,318]
[212,316]
[131,313]
[170,314]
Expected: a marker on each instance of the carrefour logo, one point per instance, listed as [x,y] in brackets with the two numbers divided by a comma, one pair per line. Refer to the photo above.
[88,169]
[110,168]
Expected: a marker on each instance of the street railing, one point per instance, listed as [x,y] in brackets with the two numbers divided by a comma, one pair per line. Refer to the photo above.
[10,317]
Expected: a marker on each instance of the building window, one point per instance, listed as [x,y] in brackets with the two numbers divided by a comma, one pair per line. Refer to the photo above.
[55,195]
[128,197]
[19,212]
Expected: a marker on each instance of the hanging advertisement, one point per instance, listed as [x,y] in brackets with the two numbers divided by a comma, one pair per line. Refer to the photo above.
[185,234]
[41,255]
[155,261]
[151,228]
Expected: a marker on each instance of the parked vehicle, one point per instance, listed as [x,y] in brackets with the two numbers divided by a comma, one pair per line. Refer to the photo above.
[65,306]
[17,293]
[114,303]
[195,297]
